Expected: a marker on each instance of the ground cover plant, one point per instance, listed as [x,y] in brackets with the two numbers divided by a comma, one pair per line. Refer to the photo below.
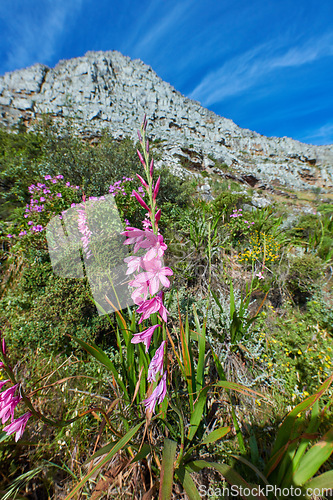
[218,372]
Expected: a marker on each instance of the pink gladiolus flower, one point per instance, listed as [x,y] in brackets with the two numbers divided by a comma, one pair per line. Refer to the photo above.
[141,293]
[8,408]
[144,238]
[18,426]
[133,264]
[7,395]
[157,249]
[144,336]
[152,306]
[156,364]
[154,274]
[157,396]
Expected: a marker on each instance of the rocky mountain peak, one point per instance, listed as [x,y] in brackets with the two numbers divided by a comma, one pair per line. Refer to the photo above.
[109,90]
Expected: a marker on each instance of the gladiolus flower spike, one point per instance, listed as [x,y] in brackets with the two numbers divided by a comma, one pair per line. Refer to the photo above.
[149,274]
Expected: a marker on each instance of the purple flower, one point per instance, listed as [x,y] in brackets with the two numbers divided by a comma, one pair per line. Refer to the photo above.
[60,176]
[22,233]
[152,306]
[30,223]
[42,198]
[18,426]
[47,177]
[10,235]
[8,408]
[157,395]
[7,395]
[156,364]
[73,205]
[68,184]
[59,195]
[144,336]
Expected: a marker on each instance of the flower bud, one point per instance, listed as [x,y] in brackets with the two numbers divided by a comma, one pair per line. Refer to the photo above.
[141,158]
[140,200]
[157,185]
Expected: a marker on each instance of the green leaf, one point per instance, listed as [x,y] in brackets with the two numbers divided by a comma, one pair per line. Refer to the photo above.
[287,425]
[100,355]
[201,337]
[216,435]
[229,473]
[218,365]
[314,459]
[197,412]
[238,432]
[187,483]
[118,446]
[167,469]
[145,450]
[101,451]
[323,481]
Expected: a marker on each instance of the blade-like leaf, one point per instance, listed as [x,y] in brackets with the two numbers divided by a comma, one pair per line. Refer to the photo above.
[314,459]
[100,355]
[196,415]
[216,435]
[230,475]
[187,483]
[201,337]
[168,458]
[287,426]
[323,481]
[118,446]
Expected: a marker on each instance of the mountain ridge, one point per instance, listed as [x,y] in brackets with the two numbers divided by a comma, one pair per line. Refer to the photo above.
[109,90]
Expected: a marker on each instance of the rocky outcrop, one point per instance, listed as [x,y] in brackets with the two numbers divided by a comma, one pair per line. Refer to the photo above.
[109,90]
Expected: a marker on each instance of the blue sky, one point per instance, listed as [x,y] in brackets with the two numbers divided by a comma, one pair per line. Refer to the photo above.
[266,64]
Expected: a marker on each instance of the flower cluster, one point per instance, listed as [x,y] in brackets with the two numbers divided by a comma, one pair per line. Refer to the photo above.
[8,403]
[46,199]
[262,247]
[118,187]
[151,274]
[239,213]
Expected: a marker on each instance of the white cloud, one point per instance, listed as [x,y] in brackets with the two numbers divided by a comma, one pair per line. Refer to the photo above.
[321,135]
[246,70]
[34,31]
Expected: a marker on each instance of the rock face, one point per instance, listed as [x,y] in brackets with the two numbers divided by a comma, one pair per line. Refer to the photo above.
[109,90]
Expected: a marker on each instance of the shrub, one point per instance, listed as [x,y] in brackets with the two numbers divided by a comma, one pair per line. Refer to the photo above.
[303,274]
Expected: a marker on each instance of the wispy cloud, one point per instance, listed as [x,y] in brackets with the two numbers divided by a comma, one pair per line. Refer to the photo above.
[160,23]
[33,32]
[321,135]
[246,70]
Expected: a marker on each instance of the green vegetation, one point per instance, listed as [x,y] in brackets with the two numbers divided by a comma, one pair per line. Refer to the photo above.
[250,332]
